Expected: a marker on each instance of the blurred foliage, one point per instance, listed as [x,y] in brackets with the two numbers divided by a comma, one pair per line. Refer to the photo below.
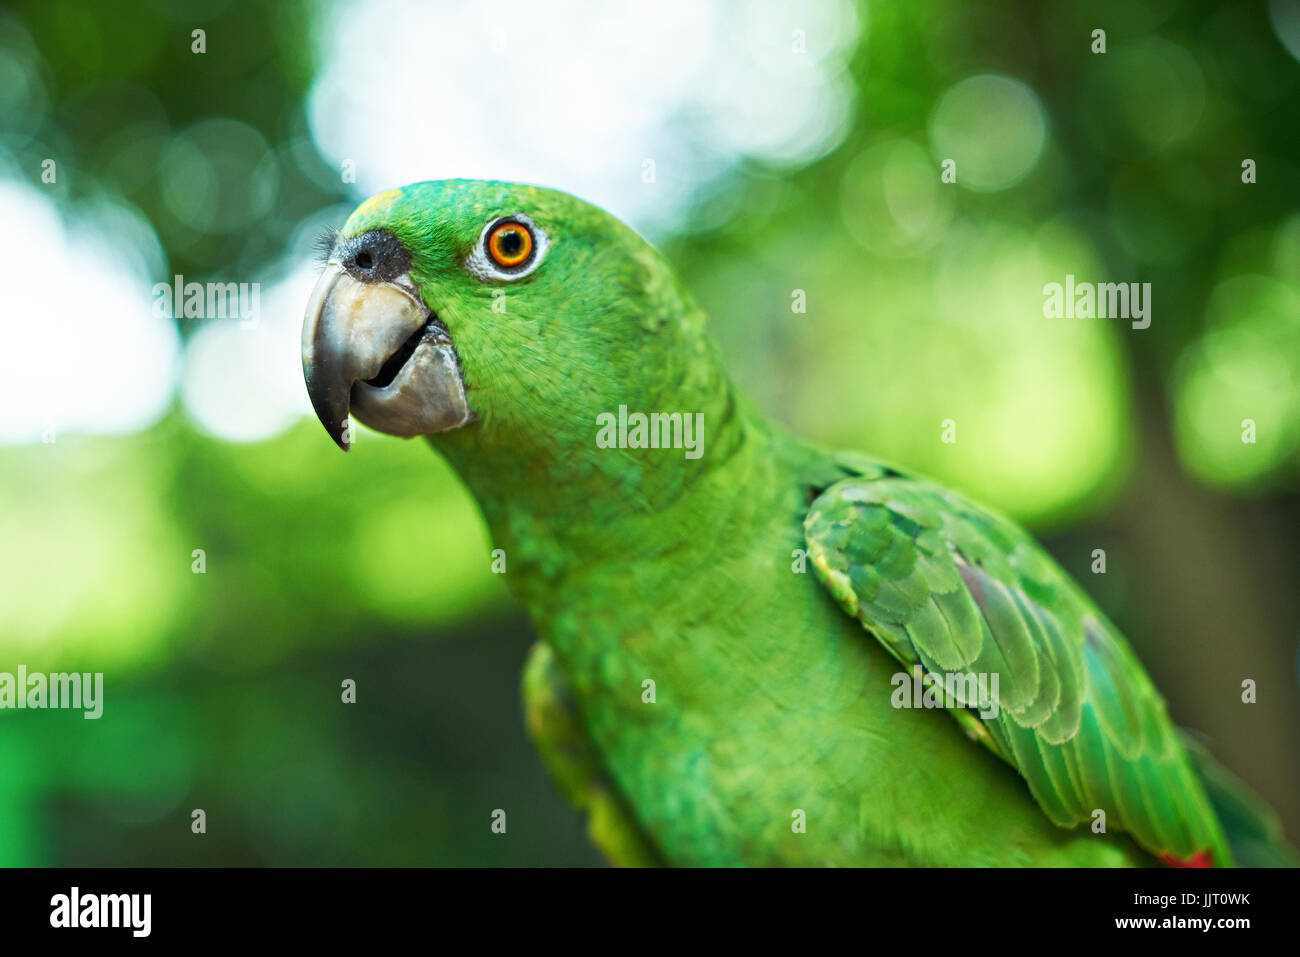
[112,89]
[924,303]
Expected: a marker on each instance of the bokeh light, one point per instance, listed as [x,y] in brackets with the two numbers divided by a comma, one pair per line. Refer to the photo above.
[993,127]
[1237,394]
[513,91]
[86,352]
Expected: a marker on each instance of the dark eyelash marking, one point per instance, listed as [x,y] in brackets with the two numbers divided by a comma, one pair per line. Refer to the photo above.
[324,244]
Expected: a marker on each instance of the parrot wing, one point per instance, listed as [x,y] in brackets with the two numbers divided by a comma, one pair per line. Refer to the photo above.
[953,589]
[557,730]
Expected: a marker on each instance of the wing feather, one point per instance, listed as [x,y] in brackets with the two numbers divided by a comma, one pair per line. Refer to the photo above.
[955,589]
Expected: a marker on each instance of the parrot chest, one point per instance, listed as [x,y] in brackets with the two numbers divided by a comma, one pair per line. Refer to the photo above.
[726,699]
[743,717]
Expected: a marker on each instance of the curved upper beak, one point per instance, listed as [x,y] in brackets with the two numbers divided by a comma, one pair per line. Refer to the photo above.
[375,350]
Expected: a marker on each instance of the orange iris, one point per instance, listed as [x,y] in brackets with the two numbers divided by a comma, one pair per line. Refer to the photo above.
[510,244]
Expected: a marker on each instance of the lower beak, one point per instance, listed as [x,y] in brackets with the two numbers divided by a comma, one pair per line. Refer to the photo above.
[375,350]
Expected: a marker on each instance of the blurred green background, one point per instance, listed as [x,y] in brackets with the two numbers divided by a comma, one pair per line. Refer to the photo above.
[767,148]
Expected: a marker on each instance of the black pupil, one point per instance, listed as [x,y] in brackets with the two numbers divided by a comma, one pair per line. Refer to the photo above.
[511,242]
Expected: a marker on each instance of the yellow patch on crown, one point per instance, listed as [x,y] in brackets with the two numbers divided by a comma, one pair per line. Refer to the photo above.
[376,203]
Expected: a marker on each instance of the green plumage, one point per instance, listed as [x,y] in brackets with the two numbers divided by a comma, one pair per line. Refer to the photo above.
[772,736]
[948,585]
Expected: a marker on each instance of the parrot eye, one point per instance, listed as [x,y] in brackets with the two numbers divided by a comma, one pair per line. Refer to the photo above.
[508,248]
[510,244]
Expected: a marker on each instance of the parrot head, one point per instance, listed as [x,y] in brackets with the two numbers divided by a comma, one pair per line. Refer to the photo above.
[512,310]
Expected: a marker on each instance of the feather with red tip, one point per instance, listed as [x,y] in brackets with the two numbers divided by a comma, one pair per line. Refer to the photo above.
[1203,858]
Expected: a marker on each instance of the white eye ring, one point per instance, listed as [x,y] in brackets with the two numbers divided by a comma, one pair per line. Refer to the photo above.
[483,267]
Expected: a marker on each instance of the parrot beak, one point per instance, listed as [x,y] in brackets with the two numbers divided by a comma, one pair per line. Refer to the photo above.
[374,349]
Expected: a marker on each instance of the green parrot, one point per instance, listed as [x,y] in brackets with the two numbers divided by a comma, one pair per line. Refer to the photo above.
[753,651]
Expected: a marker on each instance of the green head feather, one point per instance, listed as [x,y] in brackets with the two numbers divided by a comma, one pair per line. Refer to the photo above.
[599,321]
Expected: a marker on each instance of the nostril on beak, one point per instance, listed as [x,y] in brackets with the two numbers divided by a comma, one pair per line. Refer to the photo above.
[374,256]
